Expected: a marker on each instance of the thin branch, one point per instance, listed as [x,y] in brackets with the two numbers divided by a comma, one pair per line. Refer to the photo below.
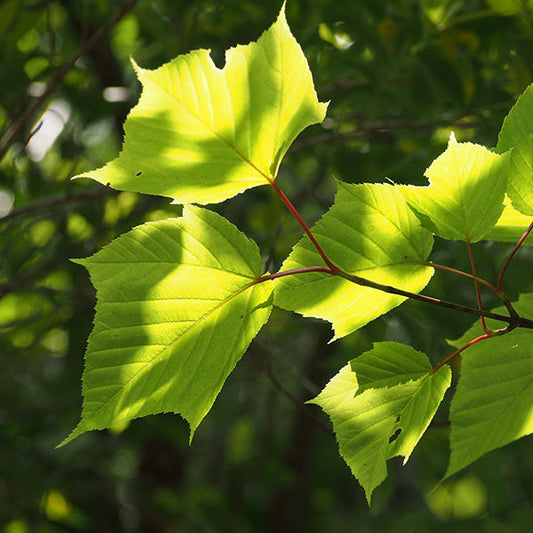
[499,284]
[476,285]
[376,127]
[461,349]
[22,119]
[304,225]
[464,274]
[384,125]
[514,321]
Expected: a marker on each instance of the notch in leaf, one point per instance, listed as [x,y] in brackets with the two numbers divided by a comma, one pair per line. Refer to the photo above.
[203,134]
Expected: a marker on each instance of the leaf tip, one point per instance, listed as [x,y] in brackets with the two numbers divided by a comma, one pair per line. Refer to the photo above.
[79,261]
[282,10]
[323,108]
[368,494]
[138,70]
[76,432]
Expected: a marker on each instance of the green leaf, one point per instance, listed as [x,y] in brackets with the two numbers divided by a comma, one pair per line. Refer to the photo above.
[387,420]
[511,225]
[370,232]
[386,365]
[493,402]
[464,199]
[203,134]
[517,134]
[177,307]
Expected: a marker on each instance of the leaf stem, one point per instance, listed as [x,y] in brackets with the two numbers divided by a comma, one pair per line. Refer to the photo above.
[304,225]
[464,274]
[461,349]
[513,321]
[303,270]
[499,284]
[476,285]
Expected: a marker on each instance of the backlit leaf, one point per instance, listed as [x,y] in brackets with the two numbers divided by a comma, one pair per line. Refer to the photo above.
[517,134]
[493,404]
[464,199]
[510,226]
[371,232]
[203,134]
[176,310]
[386,421]
[387,364]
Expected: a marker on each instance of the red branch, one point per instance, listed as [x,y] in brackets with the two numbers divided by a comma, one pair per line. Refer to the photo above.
[461,349]
[499,284]
[476,285]
[305,227]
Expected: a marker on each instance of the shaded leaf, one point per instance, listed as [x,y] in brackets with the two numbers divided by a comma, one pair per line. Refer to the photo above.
[371,232]
[201,134]
[493,402]
[386,421]
[176,310]
[464,199]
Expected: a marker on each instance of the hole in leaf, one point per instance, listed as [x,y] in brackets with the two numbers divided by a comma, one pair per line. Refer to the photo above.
[395,435]
[140,173]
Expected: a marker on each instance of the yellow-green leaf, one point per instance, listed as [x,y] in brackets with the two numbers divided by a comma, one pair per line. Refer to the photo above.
[517,135]
[389,415]
[177,307]
[510,226]
[203,134]
[465,196]
[370,232]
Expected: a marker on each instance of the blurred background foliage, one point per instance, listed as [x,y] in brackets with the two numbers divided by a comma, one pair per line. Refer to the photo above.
[400,76]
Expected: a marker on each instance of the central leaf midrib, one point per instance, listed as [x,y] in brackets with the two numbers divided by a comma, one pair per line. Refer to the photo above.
[213,131]
[149,364]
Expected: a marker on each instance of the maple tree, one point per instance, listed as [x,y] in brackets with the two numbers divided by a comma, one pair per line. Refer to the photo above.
[179,300]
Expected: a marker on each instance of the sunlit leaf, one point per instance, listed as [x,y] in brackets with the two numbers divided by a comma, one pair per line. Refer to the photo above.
[510,226]
[371,232]
[203,134]
[517,134]
[176,310]
[386,420]
[389,363]
[464,199]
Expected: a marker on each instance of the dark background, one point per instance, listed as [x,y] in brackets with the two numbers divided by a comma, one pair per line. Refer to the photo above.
[400,76]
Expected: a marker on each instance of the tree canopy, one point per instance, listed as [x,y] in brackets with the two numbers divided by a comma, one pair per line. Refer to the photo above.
[399,77]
